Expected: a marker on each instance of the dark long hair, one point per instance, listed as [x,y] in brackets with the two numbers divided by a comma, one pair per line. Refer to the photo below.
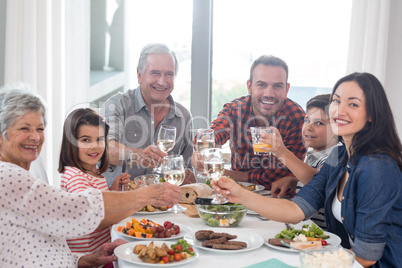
[69,146]
[379,135]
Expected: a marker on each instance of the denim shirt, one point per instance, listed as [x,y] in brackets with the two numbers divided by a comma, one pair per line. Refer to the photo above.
[371,205]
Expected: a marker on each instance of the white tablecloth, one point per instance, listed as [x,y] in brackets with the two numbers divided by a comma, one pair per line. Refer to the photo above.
[212,259]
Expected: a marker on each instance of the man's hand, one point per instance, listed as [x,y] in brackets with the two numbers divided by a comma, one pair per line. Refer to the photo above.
[102,256]
[280,187]
[197,161]
[149,157]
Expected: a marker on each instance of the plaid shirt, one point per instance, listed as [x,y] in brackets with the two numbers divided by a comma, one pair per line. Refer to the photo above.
[234,122]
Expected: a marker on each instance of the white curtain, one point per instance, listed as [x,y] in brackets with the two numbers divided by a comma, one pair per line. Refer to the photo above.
[39,35]
[369,37]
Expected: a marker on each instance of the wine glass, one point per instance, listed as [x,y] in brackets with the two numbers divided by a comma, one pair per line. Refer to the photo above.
[214,167]
[173,173]
[205,140]
[166,141]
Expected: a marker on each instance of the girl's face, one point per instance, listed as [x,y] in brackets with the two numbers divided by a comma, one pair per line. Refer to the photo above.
[91,145]
[317,132]
[348,110]
[23,141]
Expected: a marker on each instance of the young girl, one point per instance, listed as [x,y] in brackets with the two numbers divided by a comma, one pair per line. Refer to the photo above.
[84,147]
[360,184]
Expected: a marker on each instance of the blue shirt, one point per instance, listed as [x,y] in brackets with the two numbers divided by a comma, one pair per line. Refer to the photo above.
[371,205]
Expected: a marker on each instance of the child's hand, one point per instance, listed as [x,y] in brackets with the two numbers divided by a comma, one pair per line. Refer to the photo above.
[280,187]
[123,179]
[275,140]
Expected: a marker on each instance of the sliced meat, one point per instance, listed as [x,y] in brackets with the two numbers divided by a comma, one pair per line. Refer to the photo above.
[210,242]
[277,241]
[226,246]
[225,235]
[203,234]
[241,243]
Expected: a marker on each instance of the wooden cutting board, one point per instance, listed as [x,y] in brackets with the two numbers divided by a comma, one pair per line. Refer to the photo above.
[191,211]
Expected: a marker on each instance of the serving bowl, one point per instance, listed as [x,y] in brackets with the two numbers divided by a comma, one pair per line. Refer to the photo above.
[227,215]
[327,256]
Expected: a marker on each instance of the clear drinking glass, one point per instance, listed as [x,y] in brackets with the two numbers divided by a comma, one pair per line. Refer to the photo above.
[166,141]
[173,173]
[255,139]
[214,167]
[205,140]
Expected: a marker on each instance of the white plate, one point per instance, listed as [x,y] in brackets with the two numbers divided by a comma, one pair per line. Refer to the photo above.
[333,241]
[252,239]
[258,187]
[151,213]
[184,229]
[125,253]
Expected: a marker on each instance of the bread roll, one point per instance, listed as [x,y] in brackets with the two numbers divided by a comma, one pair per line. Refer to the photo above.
[190,192]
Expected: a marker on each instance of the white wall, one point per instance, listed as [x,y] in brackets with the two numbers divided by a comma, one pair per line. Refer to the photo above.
[393,77]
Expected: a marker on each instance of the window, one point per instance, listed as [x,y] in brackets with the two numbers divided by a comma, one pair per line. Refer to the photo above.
[160,21]
[312,36]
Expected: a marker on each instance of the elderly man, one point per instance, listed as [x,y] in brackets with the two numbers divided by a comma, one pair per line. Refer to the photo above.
[266,105]
[136,116]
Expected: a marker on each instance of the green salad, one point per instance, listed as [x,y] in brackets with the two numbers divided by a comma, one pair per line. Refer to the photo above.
[313,231]
[228,215]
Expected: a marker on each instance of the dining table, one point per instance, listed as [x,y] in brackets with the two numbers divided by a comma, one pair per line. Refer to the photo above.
[262,256]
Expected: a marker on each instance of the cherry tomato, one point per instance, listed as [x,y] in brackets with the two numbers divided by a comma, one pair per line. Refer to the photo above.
[190,249]
[177,256]
[171,252]
[178,248]
[165,259]
[324,243]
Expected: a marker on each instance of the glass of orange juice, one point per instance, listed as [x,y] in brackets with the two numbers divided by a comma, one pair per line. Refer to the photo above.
[255,139]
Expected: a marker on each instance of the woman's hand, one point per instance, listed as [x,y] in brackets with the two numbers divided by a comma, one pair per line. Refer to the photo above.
[229,189]
[275,140]
[102,256]
[122,179]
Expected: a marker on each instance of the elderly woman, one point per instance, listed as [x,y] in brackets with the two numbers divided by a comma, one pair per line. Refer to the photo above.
[36,218]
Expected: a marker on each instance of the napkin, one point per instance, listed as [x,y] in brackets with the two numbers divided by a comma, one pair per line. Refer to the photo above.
[271,263]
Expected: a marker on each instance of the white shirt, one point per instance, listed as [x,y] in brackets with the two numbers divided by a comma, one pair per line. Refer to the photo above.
[36,218]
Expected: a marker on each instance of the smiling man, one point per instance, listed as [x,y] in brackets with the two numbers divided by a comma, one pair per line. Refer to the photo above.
[266,105]
[135,116]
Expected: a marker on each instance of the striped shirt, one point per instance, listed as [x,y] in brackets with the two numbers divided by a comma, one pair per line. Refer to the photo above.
[233,123]
[73,180]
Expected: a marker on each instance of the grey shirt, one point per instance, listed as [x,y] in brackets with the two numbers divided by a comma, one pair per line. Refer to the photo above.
[131,124]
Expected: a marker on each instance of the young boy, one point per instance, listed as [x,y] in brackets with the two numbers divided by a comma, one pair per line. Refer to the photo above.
[318,138]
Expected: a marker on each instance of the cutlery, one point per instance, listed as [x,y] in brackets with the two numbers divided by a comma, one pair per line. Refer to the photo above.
[123,166]
[300,250]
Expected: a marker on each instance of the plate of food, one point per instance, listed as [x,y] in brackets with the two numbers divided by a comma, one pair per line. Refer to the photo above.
[234,241]
[156,253]
[302,237]
[146,229]
[149,210]
[252,187]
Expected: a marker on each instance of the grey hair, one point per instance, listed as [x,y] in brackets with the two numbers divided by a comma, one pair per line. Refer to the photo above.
[155,48]
[16,100]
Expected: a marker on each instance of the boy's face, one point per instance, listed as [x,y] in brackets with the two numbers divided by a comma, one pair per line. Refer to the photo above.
[317,132]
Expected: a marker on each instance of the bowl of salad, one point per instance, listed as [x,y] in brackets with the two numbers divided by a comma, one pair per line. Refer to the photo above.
[227,215]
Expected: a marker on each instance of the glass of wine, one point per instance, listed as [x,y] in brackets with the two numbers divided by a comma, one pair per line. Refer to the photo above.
[166,141]
[205,140]
[173,173]
[214,167]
